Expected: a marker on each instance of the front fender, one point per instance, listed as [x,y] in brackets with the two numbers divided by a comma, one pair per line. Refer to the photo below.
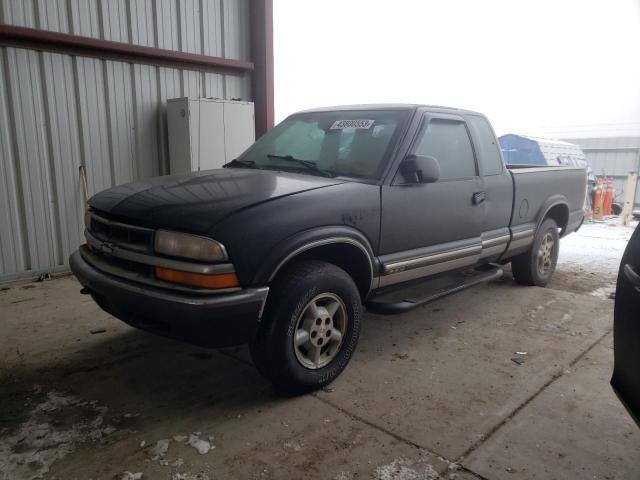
[296,244]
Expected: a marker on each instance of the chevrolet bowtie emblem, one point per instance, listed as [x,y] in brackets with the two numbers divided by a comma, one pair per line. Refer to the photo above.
[107,248]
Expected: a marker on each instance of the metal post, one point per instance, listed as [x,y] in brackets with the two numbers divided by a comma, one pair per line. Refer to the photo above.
[262,49]
[85,187]
[629,196]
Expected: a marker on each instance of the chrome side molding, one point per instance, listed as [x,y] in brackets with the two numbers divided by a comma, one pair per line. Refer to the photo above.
[411,263]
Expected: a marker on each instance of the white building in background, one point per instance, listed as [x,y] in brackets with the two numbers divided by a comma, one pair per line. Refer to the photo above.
[613,157]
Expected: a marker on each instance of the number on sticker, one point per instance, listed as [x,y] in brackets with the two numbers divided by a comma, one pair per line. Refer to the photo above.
[360,124]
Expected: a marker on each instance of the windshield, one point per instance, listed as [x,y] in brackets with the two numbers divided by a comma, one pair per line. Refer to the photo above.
[349,143]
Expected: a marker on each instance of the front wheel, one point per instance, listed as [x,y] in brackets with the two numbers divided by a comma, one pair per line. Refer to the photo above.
[536,266]
[310,327]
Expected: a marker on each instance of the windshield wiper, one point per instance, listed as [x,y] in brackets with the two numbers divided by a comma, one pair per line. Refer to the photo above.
[240,163]
[306,163]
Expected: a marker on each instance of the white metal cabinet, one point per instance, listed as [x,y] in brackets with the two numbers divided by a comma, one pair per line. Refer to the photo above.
[238,139]
[205,133]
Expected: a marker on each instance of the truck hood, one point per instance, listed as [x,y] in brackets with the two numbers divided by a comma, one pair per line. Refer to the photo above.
[196,202]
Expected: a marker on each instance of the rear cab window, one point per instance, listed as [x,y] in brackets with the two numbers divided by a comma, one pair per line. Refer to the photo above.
[486,145]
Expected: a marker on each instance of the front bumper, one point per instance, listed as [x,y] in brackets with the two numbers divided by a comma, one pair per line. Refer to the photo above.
[215,320]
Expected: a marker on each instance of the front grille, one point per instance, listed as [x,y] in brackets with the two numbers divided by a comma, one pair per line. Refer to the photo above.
[108,234]
[136,268]
[126,251]
[123,235]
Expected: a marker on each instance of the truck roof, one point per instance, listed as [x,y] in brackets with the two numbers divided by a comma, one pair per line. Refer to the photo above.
[389,106]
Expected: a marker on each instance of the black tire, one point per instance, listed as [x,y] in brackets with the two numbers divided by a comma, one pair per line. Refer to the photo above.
[530,268]
[616,208]
[273,350]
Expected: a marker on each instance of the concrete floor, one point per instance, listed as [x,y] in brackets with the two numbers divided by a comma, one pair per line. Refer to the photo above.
[429,394]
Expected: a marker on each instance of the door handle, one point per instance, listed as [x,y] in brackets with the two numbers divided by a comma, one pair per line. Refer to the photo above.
[479,197]
[631,275]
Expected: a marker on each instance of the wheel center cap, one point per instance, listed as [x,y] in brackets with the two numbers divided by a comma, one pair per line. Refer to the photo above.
[324,327]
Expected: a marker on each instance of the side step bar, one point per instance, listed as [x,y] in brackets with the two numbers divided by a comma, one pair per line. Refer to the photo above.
[483,274]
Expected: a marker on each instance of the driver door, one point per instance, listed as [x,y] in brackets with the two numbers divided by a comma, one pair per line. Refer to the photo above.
[433,227]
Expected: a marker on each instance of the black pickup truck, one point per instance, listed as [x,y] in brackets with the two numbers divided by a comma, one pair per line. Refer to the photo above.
[332,210]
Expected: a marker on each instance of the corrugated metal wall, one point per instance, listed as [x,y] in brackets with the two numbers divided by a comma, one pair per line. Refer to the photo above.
[58,112]
[613,157]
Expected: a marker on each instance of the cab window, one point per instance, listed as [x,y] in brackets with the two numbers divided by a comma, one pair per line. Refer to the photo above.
[486,145]
[448,142]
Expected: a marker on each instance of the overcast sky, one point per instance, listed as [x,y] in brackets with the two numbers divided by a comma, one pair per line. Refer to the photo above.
[555,67]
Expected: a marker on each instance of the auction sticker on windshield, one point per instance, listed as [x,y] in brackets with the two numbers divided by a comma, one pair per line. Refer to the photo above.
[360,124]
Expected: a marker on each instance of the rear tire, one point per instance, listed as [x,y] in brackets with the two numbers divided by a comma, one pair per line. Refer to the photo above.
[616,208]
[310,327]
[536,266]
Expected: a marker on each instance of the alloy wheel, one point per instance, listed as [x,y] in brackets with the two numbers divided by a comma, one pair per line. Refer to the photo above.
[545,254]
[319,330]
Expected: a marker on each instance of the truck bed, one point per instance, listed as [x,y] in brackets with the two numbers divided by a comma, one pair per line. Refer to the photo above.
[537,188]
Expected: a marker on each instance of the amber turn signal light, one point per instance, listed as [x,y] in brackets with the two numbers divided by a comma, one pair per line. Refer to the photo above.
[219,280]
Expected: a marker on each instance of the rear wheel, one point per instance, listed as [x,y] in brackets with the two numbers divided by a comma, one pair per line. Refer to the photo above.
[310,327]
[616,208]
[536,266]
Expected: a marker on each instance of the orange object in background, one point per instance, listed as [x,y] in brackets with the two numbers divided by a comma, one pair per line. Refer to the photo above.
[598,198]
[608,196]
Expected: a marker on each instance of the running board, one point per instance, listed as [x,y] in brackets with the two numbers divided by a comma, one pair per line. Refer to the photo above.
[384,305]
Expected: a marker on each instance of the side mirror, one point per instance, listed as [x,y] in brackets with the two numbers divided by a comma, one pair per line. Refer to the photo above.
[420,169]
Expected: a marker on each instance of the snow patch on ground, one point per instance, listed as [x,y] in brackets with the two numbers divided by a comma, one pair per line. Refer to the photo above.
[130,476]
[405,469]
[202,446]
[294,445]
[343,476]
[190,476]
[604,292]
[550,317]
[159,451]
[551,321]
[160,448]
[539,310]
[596,250]
[53,428]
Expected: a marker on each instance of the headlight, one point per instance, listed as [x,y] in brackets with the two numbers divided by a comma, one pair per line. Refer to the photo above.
[185,245]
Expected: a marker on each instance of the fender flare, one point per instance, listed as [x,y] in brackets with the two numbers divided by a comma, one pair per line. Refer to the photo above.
[301,242]
[550,203]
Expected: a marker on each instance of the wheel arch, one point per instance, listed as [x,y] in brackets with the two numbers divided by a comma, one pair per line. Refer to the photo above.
[556,208]
[344,247]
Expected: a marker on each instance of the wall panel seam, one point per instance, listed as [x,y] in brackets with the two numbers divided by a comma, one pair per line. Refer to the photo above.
[134,105]
[50,165]
[26,257]
[107,107]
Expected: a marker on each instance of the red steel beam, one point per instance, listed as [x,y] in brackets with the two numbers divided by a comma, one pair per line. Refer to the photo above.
[262,51]
[32,38]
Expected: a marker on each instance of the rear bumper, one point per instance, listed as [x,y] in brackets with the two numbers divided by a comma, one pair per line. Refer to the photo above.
[213,320]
